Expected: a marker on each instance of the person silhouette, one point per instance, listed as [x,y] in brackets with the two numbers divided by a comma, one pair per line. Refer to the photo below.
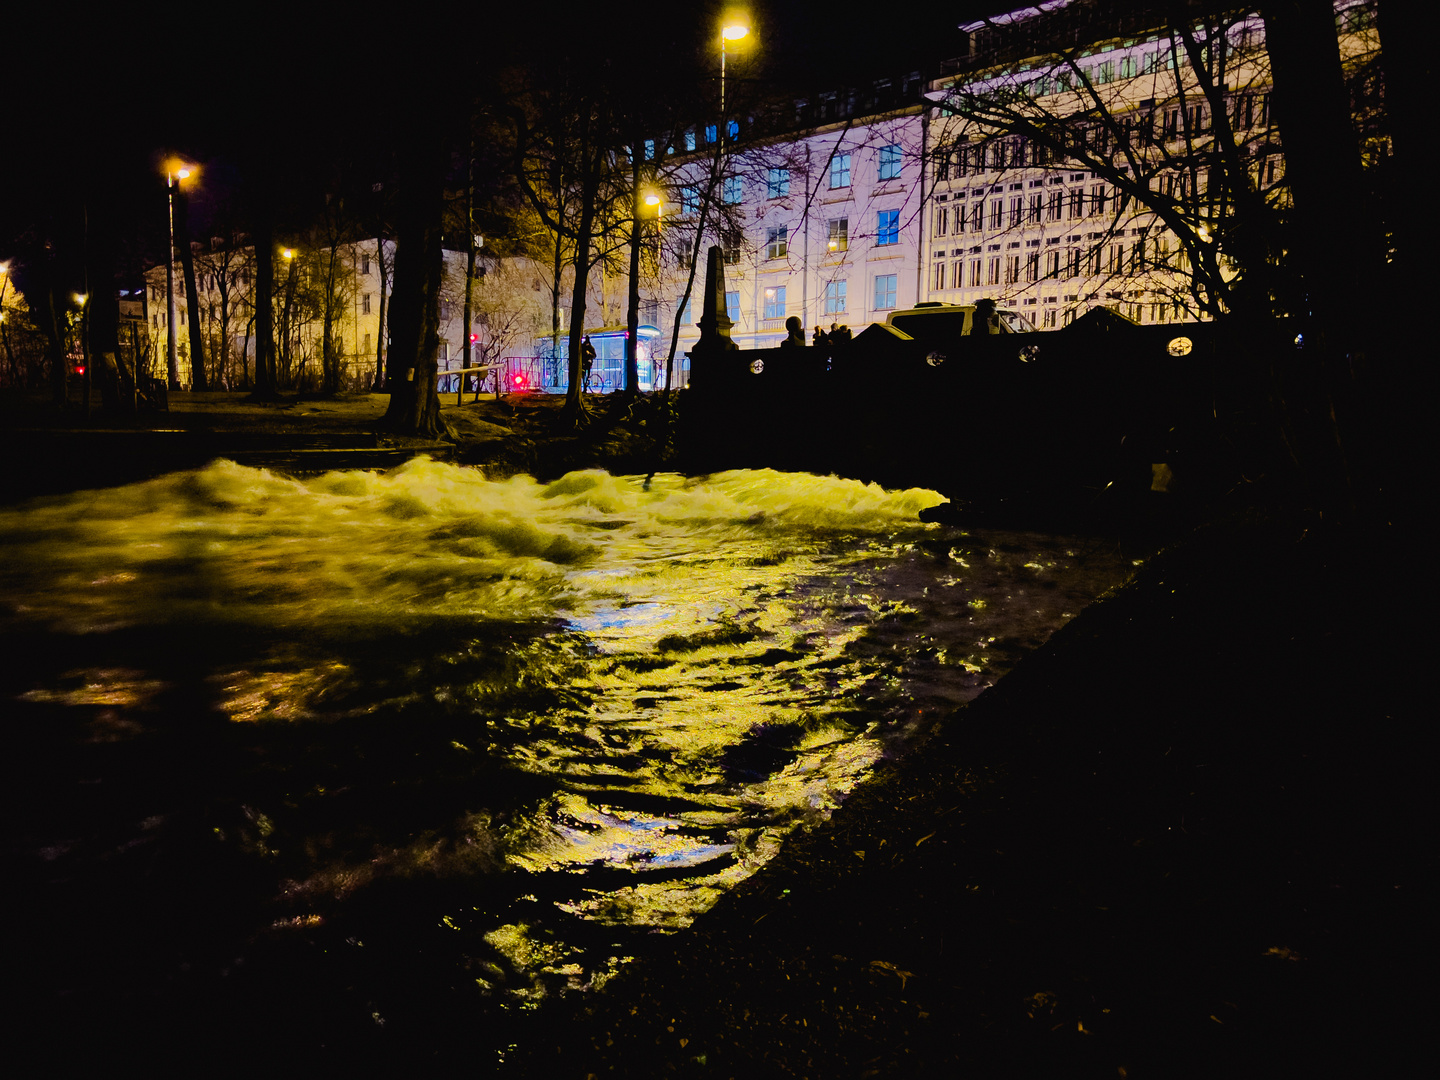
[587,361]
[984,320]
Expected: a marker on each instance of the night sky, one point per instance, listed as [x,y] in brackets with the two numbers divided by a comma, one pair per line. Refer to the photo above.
[95,103]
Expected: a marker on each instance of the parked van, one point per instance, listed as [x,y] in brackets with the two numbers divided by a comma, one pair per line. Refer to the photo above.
[933,319]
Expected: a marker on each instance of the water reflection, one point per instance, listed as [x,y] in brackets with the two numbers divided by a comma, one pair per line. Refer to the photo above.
[504,724]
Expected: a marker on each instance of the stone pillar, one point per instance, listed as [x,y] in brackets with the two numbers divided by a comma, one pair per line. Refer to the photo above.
[715,322]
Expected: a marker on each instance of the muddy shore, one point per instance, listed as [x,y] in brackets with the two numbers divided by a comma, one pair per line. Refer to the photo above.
[1187,837]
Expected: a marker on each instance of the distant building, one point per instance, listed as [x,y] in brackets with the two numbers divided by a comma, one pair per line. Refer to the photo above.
[510,306]
[822,224]
[1055,234]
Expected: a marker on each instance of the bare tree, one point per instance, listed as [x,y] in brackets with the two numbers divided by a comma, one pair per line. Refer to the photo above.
[565,141]
[226,268]
[186,250]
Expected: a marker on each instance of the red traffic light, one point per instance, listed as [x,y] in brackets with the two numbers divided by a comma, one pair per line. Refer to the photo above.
[79,369]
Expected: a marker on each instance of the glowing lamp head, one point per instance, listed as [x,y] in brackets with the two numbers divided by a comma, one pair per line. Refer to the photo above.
[734,33]
[289,253]
[652,200]
[80,298]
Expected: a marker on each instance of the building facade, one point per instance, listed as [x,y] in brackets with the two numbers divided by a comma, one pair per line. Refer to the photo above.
[823,226]
[1083,159]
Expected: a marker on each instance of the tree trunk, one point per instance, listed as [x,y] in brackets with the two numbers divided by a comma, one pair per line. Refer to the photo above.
[574,402]
[380,352]
[49,325]
[329,358]
[198,380]
[222,358]
[470,253]
[265,381]
[415,306]
[102,312]
[632,302]
[559,267]
[1320,386]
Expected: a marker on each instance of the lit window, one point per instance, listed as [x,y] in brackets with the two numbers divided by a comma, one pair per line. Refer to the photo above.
[775,242]
[689,200]
[732,306]
[887,227]
[733,191]
[649,149]
[777,183]
[835,298]
[683,317]
[840,171]
[889,162]
[942,220]
[839,234]
[885,291]
[775,302]
[712,133]
[690,139]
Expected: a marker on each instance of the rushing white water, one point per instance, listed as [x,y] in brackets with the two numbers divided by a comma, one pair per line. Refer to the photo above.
[595,703]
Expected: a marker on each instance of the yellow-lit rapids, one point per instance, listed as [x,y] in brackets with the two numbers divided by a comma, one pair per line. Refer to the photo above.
[624,693]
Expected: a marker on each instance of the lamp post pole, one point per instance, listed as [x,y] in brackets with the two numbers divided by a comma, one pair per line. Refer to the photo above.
[172,373]
[733,32]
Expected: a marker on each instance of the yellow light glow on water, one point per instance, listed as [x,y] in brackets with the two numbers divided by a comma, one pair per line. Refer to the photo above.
[632,691]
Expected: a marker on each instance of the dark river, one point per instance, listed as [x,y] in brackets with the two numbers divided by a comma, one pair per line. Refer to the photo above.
[390,746]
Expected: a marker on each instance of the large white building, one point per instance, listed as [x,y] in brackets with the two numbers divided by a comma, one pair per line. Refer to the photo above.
[823,226]
[1057,231]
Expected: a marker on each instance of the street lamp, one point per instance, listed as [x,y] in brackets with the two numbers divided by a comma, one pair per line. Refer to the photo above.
[175,172]
[733,31]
